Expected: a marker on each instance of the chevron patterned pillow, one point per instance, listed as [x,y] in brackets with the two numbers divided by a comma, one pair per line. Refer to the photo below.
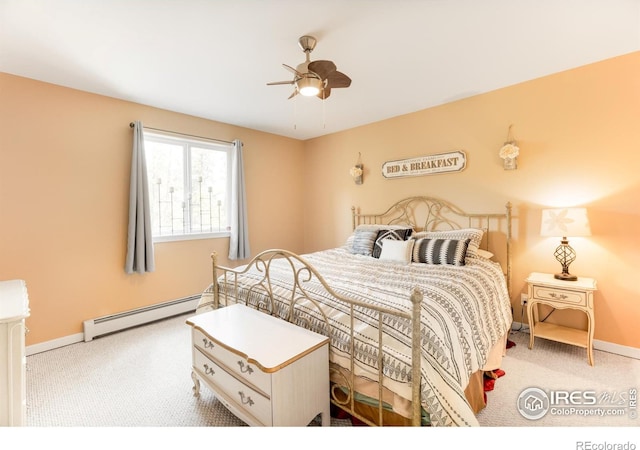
[393,234]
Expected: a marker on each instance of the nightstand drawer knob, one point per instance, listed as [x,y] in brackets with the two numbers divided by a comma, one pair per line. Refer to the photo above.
[247,370]
[207,343]
[561,296]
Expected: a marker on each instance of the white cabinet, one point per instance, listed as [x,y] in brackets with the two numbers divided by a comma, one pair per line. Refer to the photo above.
[14,308]
[266,371]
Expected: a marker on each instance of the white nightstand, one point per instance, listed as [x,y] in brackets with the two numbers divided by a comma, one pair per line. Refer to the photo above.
[547,290]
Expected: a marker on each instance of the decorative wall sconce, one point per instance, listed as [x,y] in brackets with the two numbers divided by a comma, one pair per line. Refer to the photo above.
[509,152]
[356,171]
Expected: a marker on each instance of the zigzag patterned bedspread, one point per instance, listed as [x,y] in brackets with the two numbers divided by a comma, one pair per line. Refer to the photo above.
[465,312]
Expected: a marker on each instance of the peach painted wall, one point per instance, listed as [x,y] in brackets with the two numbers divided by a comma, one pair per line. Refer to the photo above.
[64,177]
[579,134]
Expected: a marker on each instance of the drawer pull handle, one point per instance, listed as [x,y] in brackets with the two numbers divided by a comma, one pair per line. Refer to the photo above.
[561,296]
[208,370]
[248,369]
[207,343]
[248,401]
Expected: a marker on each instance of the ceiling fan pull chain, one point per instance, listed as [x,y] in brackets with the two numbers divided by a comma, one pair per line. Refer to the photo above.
[295,111]
[324,115]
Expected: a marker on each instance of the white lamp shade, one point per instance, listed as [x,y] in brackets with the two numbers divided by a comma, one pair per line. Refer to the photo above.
[565,222]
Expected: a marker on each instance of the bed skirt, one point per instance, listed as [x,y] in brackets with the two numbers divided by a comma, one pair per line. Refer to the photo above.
[396,410]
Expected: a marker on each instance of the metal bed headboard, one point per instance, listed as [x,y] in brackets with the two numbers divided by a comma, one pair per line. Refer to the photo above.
[425,213]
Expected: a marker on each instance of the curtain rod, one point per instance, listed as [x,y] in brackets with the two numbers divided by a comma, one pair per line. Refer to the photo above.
[131,124]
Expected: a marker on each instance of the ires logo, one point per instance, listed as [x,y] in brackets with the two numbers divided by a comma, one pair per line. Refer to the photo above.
[534,403]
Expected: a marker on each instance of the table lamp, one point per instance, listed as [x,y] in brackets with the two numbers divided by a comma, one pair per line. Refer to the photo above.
[565,222]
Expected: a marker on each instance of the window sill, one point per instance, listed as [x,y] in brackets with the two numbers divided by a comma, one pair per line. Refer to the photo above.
[191,237]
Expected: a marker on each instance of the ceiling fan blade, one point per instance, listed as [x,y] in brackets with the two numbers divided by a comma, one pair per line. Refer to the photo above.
[322,68]
[293,94]
[291,69]
[338,80]
[324,93]
[273,83]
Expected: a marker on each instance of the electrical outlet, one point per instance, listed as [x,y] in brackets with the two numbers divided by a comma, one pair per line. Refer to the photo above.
[524,298]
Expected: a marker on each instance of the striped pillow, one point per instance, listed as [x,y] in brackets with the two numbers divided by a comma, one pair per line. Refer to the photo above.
[440,251]
[473,234]
[363,240]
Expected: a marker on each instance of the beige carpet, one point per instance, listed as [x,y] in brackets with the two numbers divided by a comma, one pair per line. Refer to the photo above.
[139,377]
[552,366]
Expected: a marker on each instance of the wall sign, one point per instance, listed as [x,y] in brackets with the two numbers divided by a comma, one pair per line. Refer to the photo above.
[425,165]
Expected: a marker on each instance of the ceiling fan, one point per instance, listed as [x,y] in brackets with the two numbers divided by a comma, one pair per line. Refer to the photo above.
[314,78]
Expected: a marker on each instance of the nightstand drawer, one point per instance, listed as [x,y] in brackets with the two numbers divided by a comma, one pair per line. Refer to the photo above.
[560,295]
[244,397]
[232,362]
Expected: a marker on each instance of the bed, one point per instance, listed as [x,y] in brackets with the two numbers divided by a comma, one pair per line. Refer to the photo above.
[420,291]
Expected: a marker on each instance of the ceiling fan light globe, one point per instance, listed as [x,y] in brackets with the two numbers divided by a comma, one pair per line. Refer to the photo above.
[309,86]
[309,91]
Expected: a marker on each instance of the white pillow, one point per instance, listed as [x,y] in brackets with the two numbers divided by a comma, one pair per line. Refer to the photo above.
[393,250]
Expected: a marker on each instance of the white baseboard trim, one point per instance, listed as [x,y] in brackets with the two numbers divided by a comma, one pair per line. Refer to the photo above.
[616,349]
[52,345]
[121,321]
[609,347]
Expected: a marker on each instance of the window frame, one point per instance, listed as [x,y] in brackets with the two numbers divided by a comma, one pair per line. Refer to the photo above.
[187,142]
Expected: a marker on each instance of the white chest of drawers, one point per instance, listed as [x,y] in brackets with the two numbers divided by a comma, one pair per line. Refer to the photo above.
[14,308]
[266,371]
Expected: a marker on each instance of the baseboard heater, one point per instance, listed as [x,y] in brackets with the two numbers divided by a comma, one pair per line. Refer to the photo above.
[140,316]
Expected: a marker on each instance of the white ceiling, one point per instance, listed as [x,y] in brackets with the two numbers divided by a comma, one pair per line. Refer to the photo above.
[213,58]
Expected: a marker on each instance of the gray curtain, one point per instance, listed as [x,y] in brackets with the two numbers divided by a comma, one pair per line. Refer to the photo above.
[239,241]
[140,241]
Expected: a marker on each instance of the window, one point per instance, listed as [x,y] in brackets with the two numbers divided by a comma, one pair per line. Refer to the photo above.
[189,187]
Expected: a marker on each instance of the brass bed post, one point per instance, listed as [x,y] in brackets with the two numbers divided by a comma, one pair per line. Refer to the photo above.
[214,263]
[353,217]
[416,392]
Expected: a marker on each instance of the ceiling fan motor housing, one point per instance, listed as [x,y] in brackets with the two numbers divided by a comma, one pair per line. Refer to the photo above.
[307,43]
